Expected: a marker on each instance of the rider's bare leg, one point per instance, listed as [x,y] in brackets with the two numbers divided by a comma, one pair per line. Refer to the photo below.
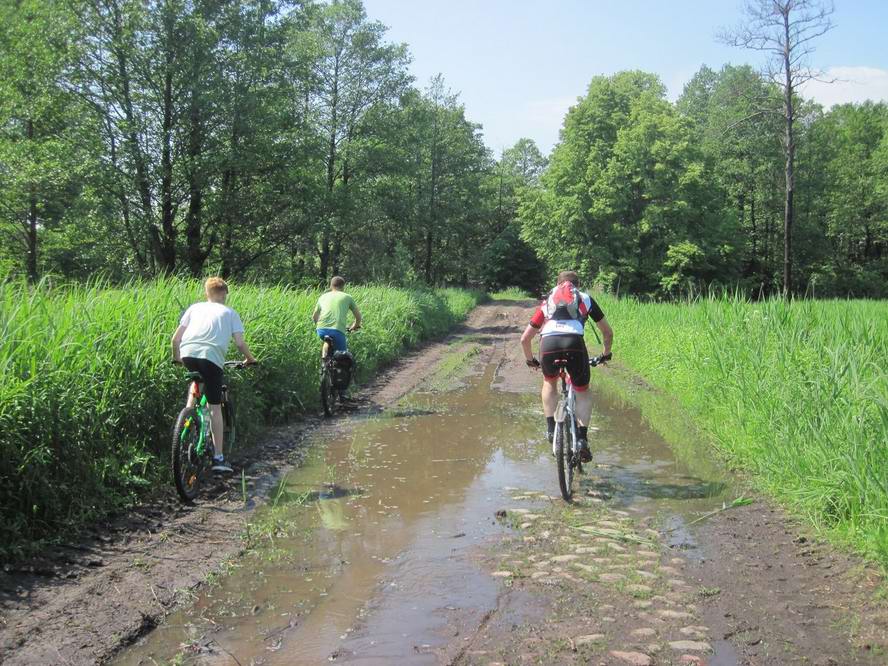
[218,427]
[584,407]
[550,396]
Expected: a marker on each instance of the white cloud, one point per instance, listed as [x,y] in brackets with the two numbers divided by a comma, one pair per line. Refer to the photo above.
[852,84]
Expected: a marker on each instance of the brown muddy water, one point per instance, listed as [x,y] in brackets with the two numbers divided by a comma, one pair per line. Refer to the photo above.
[368,553]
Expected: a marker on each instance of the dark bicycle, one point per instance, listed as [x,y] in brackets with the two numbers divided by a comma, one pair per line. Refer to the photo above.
[337,370]
[565,444]
[192,446]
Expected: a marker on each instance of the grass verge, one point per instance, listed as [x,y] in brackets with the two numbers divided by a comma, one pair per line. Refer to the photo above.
[795,393]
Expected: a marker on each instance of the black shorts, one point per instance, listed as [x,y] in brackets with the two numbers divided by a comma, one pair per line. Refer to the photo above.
[212,377]
[572,350]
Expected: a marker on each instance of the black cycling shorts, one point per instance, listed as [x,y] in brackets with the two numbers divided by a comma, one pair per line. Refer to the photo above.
[572,350]
[212,377]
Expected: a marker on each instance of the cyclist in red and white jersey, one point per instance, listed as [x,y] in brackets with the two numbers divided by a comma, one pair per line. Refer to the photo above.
[560,321]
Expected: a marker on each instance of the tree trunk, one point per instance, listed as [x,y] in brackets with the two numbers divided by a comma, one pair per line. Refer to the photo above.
[31,231]
[325,253]
[331,179]
[433,203]
[167,255]
[331,174]
[429,242]
[131,136]
[193,219]
[125,208]
[752,222]
[790,162]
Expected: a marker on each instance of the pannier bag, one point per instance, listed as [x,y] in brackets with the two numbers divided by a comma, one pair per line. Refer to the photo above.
[343,367]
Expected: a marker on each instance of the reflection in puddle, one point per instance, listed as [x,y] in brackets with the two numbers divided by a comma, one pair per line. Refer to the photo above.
[375,563]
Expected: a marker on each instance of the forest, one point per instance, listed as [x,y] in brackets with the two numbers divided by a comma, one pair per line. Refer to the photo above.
[283,142]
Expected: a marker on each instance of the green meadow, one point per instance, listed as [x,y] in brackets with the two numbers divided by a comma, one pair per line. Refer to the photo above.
[88,394]
[795,394]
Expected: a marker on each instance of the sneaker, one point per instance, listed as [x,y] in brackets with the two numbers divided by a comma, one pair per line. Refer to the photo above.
[220,466]
[585,453]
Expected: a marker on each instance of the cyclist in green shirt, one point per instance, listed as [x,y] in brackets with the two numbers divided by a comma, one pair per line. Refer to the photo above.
[331,314]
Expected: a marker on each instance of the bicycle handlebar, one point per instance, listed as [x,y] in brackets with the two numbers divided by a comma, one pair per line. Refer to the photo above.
[601,358]
[238,365]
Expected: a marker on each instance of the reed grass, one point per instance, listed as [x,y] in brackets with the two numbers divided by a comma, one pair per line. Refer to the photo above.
[795,393]
[88,394]
[511,294]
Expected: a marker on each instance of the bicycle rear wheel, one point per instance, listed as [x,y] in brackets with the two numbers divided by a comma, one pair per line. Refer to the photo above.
[188,466]
[563,458]
[328,393]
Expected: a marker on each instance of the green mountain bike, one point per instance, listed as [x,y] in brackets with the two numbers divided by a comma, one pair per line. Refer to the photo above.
[192,446]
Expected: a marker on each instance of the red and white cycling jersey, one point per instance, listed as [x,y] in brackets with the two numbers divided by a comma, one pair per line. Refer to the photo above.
[549,326]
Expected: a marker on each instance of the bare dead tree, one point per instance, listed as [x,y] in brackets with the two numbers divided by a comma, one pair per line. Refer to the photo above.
[785,30]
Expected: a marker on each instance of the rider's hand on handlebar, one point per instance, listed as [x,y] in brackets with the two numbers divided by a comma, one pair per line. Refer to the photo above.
[353,328]
[532,363]
[601,359]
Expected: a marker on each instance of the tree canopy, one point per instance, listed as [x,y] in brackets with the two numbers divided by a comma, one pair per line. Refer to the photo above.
[286,141]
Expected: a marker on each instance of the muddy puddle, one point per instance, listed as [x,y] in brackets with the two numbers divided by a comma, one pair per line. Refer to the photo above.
[368,553]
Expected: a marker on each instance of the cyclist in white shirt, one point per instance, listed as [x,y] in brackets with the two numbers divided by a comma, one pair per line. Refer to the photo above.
[200,344]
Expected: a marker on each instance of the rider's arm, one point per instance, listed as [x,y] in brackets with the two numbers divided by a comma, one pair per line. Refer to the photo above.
[316,314]
[607,334]
[526,337]
[241,344]
[176,341]
[357,314]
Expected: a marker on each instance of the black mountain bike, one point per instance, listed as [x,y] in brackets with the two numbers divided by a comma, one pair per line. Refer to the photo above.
[337,370]
[192,446]
[565,445]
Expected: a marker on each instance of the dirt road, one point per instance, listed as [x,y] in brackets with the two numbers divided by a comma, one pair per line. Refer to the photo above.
[381,543]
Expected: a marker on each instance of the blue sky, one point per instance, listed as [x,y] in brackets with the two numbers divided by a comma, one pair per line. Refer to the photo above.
[519,64]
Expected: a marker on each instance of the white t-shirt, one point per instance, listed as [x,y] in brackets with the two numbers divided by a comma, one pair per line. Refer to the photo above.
[209,328]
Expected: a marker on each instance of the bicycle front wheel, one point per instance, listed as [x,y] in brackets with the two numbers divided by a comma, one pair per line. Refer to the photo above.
[563,457]
[188,465]
[229,428]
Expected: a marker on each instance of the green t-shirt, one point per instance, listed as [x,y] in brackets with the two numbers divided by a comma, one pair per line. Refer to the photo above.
[334,307]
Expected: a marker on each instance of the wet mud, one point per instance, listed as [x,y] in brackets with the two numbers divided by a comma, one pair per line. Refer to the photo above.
[426,528]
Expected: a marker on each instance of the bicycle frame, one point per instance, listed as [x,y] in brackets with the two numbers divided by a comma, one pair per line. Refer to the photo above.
[203,415]
[567,409]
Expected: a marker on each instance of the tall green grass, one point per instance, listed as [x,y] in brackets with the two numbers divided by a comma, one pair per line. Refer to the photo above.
[795,393]
[88,395]
[511,294]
